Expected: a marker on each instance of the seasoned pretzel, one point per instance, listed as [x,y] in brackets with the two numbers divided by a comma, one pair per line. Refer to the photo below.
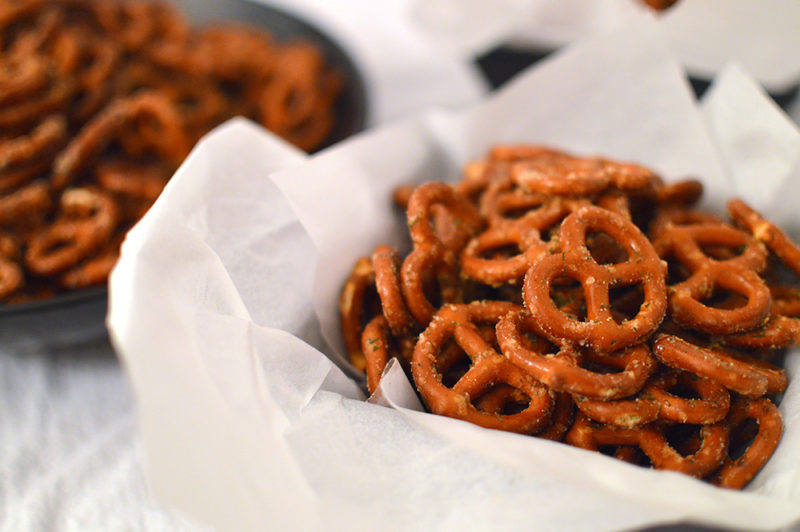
[351,305]
[746,376]
[496,271]
[626,413]
[386,263]
[25,204]
[95,270]
[737,473]
[779,332]
[375,350]
[488,368]
[562,371]
[771,235]
[737,274]
[714,444]
[43,139]
[431,257]
[88,218]
[600,331]
[711,406]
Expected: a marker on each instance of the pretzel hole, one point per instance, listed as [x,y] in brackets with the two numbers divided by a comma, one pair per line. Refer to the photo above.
[503,400]
[500,252]
[722,298]
[741,437]
[453,363]
[683,391]
[684,438]
[721,252]
[567,296]
[605,249]
[626,302]
[676,271]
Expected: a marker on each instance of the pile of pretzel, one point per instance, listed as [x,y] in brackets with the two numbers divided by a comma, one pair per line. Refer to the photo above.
[101,100]
[584,300]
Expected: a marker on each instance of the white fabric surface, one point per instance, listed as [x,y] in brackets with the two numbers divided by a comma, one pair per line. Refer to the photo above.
[70,453]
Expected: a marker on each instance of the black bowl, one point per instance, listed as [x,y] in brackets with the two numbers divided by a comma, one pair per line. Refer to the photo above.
[80,315]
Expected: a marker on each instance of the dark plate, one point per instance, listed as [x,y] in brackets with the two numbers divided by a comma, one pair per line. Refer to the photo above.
[80,316]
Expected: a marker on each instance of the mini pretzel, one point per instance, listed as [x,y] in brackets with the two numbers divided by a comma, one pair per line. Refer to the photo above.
[375,350]
[736,473]
[779,332]
[711,406]
[590,435]
[88,218]
[737,274]
[771,235]
[431,257]
[744,376]
[496,271]
[25,203]
[385,263]
[45,138]
[705,460]
[562,371]
[488,369]
[627,413]
[600,330]
[351,304]
[11,278]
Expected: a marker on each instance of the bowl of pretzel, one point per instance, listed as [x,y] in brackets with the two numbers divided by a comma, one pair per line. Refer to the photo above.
[101,101]
[583,300]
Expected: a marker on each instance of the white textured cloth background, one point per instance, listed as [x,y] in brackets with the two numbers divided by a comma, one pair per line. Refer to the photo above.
[69,450]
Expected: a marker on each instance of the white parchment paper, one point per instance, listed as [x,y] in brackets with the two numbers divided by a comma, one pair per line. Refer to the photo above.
[223,308]
[705,35]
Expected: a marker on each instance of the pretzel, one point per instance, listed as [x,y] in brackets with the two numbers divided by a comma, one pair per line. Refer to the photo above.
[11,278]
[44,138]
[385,263]
[488,368]
[737,473]
[95,270]
[746,376]
[562,372]
[496,271]
[24,204]
[351,304]
[375,350]
[430,255]
[714,444]
[88,218]
[771,235]
[779,332]
[711,406]
[600,331]
[737,274]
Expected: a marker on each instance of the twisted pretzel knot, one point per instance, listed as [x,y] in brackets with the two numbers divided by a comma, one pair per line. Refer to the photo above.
[487,369]
[563,372]
[600,331]
[589,435]
[432,256]
[737,274]
[736,473]
[88,218]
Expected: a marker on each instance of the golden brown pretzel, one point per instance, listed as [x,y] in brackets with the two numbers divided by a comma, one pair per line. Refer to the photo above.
[563,371]
[487,369]
[600,330]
